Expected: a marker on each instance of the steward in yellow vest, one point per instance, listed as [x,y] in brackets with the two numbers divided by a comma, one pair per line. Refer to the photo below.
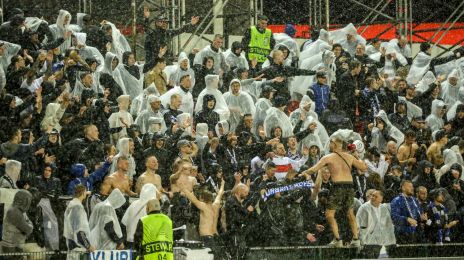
[258,41]
[153,237]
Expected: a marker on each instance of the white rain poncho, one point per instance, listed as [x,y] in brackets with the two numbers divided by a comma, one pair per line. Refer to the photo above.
[425,82]
[262,105]
[277,118]
[446,68]
[301,84]
[133,85]
[449,93]
[201,137]
[283,39]
[212,83]
[378,139]
[79,23]
[124,150]
[88,51]
[450,157]
[122,114]
[9,50]
[177,74]
[313,138]
[401,54]
[234,61]
[239,105]
[434,120]
[140,103]
[219,59]
[116,73]
[75,221]
[60,28]
[224,125]
[413,109]
[137,210]
[419,67]
[339,36]
[79,86]
[119,43]
[144,116]
[452,110]
[50,225]
[104,213]
[53,114]
[33,23]
[344,135]
[187,99]
[322,43]
[156,125]
[311,116]
[328,66]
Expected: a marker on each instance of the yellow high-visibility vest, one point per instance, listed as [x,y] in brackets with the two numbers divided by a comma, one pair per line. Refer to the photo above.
[157,239]
[260,44]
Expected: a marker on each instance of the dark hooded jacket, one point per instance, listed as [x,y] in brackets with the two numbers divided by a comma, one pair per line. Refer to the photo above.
[448,181]
[401,122]
[162,155]
[200,74]
[133,70]
[16,225]
[207,115]
[423,179]
[333,118]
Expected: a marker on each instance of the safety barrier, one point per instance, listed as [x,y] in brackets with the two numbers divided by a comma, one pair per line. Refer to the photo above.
[451,250]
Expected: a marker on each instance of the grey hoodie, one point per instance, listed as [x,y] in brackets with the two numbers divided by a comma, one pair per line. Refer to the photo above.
[17,226]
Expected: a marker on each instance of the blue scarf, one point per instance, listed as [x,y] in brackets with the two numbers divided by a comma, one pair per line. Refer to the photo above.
[293,186]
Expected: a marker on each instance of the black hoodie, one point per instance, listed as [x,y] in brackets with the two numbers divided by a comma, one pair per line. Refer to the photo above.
[401,122]
[207,115]
[423,179]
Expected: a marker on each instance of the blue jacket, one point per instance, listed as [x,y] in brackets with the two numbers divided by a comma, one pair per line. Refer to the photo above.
[321,97]
[400,213]
[78,171]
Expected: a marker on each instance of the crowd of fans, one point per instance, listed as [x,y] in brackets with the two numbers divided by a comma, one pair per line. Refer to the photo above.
[223,138]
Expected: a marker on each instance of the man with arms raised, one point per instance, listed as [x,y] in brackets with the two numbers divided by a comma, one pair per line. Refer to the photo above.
[342,193]
[182,179]
[118,179]
[209,215]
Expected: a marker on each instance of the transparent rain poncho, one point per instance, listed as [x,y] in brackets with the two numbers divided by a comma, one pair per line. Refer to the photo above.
[239,104]
[178,72]
[340,36]
[123,147]
[137,210]
[140,102]
[60,28]
[187,99]
[451,113]
[122,115]
[116,73]
[378,139]
[344,135]
[419,67]
[75,221]
[212,84]
[449,92]
[413,109]
[33,23]
[133,85]
[50,225]
[321,43]
[425,82]
[143,117]
[10,49]
[434,120]
[262,105]
[119,43]
[277,118]
[201,136]
[313,138]
[104,213]
[222,128]
[183,119]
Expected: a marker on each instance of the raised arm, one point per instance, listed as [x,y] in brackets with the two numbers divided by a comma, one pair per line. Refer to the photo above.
[193,199]
[217,201]
[315,168]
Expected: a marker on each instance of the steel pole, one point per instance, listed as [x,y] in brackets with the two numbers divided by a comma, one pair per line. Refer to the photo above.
[327,15]
[373,18]
[447,20]
[134,28]
[447,30]
[371,12]
[370,8]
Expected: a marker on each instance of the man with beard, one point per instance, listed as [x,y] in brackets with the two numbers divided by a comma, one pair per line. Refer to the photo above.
[406,214]
[340,165]
[149,176]
[118,180]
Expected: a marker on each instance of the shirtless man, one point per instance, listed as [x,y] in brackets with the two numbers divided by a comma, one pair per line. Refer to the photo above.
[407,151]
[342,193]
[149,176]
[434,154]
[209,215]
[182,179]
[118,179]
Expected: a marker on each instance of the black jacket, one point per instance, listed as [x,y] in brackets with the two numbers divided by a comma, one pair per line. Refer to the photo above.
[206,115]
